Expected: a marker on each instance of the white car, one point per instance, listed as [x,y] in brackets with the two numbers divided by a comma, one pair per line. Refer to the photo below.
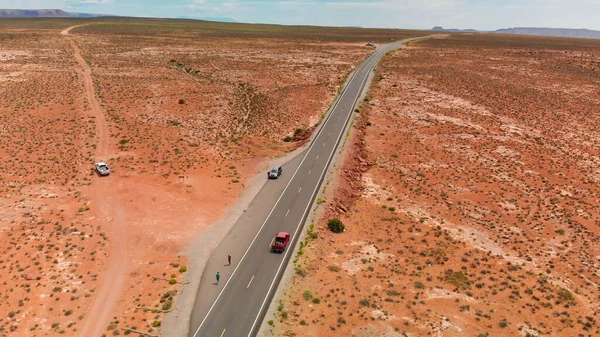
[102,169]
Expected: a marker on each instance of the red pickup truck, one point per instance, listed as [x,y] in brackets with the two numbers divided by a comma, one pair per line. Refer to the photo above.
[280,242]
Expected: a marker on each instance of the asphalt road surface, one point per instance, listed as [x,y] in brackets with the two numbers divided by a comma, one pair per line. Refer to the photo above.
[246,288]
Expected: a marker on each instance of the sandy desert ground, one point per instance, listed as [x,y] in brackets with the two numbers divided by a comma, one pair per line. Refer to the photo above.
[469,196]
[157,100]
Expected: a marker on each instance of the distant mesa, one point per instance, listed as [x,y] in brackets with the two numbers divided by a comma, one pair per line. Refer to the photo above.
[555,32]
[441,29]
[44,13]
[558,32]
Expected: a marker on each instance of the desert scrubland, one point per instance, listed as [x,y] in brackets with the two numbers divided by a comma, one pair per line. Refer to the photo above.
[157,100]
[470,198]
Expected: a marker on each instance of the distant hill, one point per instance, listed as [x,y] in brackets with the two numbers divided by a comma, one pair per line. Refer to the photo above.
[452,30]
[43,13]
[556,32]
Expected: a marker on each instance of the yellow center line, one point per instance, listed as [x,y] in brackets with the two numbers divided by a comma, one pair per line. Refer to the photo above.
[309,171]
[222,333]
[329,134]
[286,213]
[300,190]
[249,283]
[317,157]
[324,144]
[271,244]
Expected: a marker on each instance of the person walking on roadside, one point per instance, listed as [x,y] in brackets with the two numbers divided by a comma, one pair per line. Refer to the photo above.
[218,277]
[229,260]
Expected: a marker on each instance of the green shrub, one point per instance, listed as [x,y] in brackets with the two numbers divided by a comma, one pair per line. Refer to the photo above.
[457,278]
[564,295]
[307,295]
[336,225]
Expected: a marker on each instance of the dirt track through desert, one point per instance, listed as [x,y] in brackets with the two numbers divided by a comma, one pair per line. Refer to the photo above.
[108,211]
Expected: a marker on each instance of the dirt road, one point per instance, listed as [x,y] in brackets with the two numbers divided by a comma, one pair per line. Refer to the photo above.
[108,211]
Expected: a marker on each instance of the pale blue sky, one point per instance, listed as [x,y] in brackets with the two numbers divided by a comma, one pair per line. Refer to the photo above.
[412,14]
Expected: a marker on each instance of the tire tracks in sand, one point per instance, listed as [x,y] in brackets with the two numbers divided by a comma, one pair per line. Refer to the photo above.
[109,213]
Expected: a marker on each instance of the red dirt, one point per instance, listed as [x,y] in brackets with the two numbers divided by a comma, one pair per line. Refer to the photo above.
[477,214]
[83,254]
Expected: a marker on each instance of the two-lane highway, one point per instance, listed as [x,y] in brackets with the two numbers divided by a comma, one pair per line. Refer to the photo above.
[241,304]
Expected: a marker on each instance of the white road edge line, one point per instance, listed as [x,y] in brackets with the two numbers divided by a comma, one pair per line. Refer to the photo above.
[277,202]
[310,203]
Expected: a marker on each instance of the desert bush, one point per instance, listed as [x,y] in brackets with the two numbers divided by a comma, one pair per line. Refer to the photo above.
[457,278]
[182,269]
[336,225]
[564,295]
[287,139]
[307,295]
